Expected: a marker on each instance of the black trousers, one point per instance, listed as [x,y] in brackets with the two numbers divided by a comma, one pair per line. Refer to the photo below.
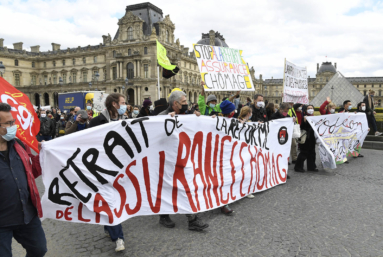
[306,154]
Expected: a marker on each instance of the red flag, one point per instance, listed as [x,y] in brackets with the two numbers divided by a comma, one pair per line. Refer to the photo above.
[28,124]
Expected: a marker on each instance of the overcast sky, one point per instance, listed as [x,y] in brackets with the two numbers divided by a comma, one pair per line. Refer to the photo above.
[348,32]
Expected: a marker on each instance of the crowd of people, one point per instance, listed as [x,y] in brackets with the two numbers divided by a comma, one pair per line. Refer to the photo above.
[20,206]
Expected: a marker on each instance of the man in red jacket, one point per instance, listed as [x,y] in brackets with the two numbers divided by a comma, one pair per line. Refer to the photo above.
[20,206]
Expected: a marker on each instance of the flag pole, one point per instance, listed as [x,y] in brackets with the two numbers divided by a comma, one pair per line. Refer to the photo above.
[283,85]
[158,75]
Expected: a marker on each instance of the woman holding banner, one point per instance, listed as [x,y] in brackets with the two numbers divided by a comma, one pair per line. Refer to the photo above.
[307,148]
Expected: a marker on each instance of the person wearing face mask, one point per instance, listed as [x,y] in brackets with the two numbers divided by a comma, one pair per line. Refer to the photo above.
[211,107]
[135,112]
[60,126]
[370,111]
[81,123]
[270,110]
[346,107]
[307,149]
[295,112]
[178,105]
[327,107]
[145,110]
[276,107]
[115,108]
[47,127]
[258,109]
[20,205]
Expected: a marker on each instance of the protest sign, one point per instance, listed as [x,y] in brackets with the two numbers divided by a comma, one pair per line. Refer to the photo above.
[295,87]
[28,124]
[339,135]
[99,101]
[161,165]
[223,69]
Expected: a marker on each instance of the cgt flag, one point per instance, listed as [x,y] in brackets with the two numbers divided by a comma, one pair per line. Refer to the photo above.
[28,124]
[162,58]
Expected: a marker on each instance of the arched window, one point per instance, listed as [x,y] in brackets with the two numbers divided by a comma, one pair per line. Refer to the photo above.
[84,60]
[129,51]
[145,50]
[130,33]
[16,62]
[130,68]
[167,36]
[54,63]
[74,61]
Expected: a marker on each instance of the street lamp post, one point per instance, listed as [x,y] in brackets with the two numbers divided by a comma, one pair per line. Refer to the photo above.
[2,69]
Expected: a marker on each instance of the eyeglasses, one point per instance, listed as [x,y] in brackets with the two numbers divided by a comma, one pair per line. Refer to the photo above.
[8,124]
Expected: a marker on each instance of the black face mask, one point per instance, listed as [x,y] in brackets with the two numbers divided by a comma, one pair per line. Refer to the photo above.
[184,108]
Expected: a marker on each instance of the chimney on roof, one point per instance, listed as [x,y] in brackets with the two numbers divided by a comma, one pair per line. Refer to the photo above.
[18,46]
[317,67]
[55,47]
[335,66]
[212,37]
[1,42]
[260,76]
[35,49]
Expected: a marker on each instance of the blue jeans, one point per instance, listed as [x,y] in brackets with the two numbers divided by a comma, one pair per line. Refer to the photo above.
[31,236]
[115,232]
[46,138]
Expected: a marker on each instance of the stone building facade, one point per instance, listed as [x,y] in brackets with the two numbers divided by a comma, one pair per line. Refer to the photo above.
[131,54]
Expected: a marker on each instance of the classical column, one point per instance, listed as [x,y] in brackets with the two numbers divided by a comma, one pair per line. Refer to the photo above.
[136,96]
[139,68]
[139,96]
[121,75]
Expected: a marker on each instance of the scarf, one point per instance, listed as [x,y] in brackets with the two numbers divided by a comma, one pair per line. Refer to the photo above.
[81,126]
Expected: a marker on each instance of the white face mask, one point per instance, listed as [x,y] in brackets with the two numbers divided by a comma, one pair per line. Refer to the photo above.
[363,108]
[260,104]
[300,109]
[310,111]
[332,111]
[43,115]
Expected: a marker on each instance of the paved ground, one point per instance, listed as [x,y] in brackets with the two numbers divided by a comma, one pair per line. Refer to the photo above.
[334,213]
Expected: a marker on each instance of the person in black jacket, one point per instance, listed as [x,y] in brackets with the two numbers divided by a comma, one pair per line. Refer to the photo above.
[370,111]
[258,109]
[145,110]
[270,110]
[47,127]
[307,149]
[115,108]
[283,112]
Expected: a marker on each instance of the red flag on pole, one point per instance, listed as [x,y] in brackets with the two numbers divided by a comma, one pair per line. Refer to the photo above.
[28,124]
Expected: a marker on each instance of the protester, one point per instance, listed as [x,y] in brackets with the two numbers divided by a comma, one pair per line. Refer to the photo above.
[276,107]
[55,114]
[89,110]
[60,126]
[47,127]
[135,113]
[270,110]
[160,106]
[238,110]
[20,206]
[307,149]
[248,101]
[258,109]
[50,116]
[80,123]
[115,108]
[210,107]
[346,107]
[327,107]
[145,110]
[178,105]
[370,111]
[70,114]
[293,112]
[129,111]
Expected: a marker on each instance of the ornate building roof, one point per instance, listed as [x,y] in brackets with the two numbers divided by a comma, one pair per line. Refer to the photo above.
[218,39]
[326,67]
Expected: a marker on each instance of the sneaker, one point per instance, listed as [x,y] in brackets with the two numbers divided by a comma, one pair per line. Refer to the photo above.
[299,170]
[197,224]
[120,245]
[346,162]
[377,133]
[251,196]
[167,222]
[226,210]
[360,155]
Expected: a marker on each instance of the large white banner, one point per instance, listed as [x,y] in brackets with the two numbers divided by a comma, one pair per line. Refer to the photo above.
[339,136]
[295,86]
[223,68]
[161,165]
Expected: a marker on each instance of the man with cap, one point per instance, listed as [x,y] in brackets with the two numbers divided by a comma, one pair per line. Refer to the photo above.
[211,102]
[80,122]
[160,106]
[258,109]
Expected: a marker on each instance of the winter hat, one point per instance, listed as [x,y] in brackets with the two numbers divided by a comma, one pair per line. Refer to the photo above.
[147,103]
[227,107]
[211,98]
[83,113]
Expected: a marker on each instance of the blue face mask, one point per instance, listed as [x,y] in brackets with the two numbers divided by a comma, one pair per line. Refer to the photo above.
[212,105]
[89,107]
[11,133]
[349,108]
[135,111]
[250,116]
[122,109]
